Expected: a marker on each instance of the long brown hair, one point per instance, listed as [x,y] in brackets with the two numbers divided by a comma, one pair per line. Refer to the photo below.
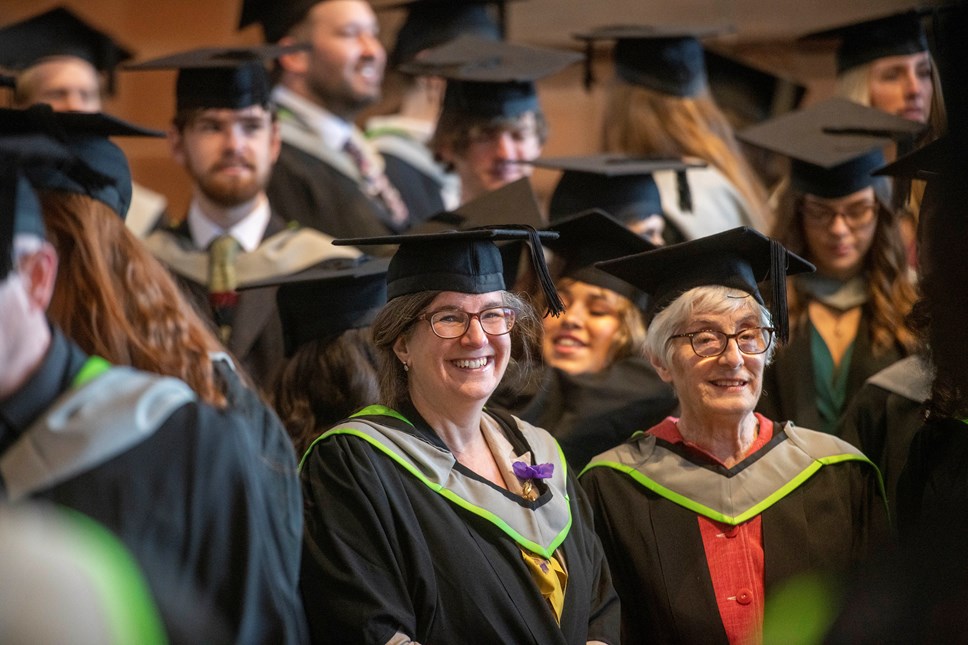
[891,290]
[115,300]
[642,121]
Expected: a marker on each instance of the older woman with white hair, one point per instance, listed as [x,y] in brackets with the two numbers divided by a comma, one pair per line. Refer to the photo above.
[703,515]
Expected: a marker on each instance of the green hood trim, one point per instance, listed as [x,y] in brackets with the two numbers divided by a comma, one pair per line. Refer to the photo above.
[540,530]
[93,367]
[128,603]
[749,491]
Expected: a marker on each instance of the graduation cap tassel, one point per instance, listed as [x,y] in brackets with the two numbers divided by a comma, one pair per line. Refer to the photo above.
[589,79]
[778,304]
[555,306]
[8,202]
[685,195]
[902,185]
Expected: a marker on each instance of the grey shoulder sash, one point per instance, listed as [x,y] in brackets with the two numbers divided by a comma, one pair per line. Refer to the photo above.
[88,426]
[539,527]
[288,251]
[735,495]
[909,377]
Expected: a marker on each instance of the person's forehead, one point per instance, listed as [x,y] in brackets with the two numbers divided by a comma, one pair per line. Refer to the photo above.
[227,115]
[743,311]
[468,301]
[334,14]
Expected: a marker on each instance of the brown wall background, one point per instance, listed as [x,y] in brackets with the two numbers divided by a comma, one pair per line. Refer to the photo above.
[763,34]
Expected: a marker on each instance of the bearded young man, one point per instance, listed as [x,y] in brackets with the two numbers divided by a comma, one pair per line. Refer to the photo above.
[226,137]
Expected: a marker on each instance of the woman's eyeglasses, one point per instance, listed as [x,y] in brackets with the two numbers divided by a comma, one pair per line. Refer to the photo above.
[856,214]
[453,323]
[708,343]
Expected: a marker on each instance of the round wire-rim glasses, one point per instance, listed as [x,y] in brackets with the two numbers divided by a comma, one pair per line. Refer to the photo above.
[708,343]
[454,323]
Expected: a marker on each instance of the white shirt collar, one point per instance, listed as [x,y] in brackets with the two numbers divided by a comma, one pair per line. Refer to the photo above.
[333,130]
[248,232]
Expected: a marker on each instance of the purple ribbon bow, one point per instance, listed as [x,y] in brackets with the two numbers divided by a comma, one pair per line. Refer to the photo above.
[538,471]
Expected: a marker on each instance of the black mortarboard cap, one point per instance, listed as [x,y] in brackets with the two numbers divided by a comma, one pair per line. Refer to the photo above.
[463,261]
[667,59]
[513,203]
[20,210]
[618,184]
[220,77]
[277,17]
[103,171]
[865,41]
[594,236]
[59,32]
[477,262]
[431,23]
[740,258]
[490,78]
[924,163]
[750,93]
[834,145]
[322,302]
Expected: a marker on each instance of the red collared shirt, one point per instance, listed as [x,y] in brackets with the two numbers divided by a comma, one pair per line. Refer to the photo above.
[734,554]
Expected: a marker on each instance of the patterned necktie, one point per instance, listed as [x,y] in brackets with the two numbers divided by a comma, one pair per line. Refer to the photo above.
[378,186]
[222,282]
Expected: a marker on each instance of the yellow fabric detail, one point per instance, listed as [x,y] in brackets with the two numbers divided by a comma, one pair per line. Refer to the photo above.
[551,578]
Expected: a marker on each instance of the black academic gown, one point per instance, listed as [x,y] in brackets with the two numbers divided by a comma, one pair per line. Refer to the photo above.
[420,192]
[306,189]
[386,553]
[932,494]
[256,340]
[788,386]
[831,521]
[186,500]
[590,413]
[885,415]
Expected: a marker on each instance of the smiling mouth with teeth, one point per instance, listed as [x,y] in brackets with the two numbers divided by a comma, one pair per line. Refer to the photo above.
[471,364]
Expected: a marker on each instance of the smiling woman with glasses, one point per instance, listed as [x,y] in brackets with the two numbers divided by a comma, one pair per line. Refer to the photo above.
[440,520]
[847,320]
[703,515]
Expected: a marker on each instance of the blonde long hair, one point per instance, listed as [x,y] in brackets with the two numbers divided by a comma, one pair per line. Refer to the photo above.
[642,121]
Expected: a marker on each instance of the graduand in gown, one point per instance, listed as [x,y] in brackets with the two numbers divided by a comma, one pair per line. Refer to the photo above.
[697,538]
[423,546]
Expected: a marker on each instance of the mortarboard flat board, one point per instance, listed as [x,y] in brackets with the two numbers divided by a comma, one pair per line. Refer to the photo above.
[926,162]
[463,261]
[861,42]
[834,145]
[594,236]
[490,78]
[621,185]
[431,23]
[740,258]
[749,93]
[277,17]
[668,59]
[514,203]
[59,32]
[220,77]
[322,302]
[103,173]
